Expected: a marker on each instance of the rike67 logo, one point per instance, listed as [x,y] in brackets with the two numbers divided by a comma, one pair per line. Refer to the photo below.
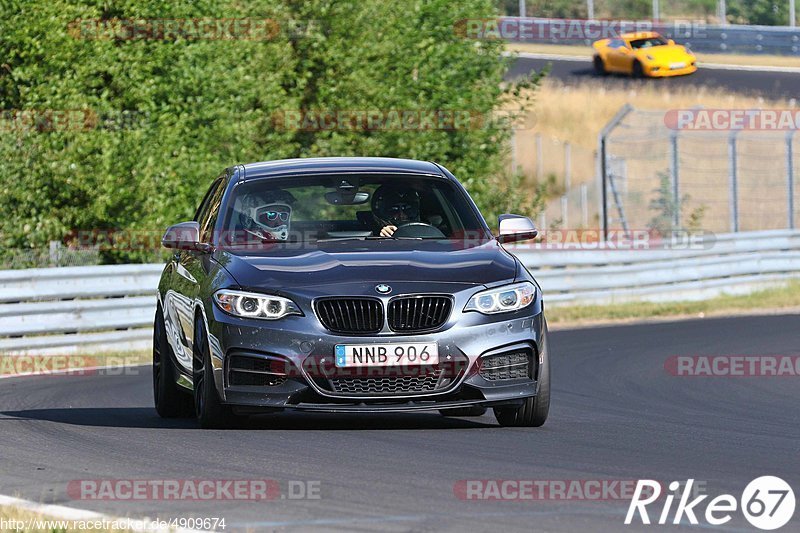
[767,502]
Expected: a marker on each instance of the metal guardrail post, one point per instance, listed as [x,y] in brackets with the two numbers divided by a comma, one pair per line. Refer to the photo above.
[733,183]
[674,172]
[584,206]
[790,176]
[602,141]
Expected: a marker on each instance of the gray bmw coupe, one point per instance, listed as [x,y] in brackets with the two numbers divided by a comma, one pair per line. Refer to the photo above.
[347,285]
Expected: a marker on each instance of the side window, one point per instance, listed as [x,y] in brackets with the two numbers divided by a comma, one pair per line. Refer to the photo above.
[207,226]
[203,215]
[202,211]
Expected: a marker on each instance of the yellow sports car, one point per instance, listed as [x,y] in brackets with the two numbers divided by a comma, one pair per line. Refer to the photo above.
[643,54]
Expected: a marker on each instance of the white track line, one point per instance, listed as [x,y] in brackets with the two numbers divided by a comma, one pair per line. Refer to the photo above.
[712,66]
[62,512]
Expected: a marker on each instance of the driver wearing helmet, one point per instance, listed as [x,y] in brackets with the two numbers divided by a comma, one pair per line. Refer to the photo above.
[394,207]
[267,216]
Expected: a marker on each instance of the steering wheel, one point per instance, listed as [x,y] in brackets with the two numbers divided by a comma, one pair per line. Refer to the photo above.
[418,230]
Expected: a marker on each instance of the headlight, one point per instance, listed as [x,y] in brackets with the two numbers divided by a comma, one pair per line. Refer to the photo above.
[502,299]
[252,305]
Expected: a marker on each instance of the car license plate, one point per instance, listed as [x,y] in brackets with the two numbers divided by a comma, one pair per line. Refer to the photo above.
[676,66]
[359,355]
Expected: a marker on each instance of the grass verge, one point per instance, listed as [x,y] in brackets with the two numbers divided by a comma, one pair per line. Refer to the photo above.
[786,298]
[720,59]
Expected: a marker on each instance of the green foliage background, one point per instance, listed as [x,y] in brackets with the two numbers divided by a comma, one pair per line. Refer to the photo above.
[202,105]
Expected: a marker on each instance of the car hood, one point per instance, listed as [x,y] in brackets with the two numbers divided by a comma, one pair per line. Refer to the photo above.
[329,266]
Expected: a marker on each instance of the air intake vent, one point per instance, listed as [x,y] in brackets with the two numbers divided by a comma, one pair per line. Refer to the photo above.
[351,315]
[387,385]
[511,365]
[415,314]
[256,371]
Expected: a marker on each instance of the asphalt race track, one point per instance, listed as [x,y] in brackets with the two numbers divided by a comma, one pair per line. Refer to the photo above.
[756,83]
[616,415]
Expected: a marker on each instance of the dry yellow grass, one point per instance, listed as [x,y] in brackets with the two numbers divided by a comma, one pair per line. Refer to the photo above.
[722,59]
[576,114]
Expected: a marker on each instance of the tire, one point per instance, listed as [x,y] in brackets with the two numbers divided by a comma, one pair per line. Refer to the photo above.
[599,66]
[474,410]
[208,408]
[638,70]
[170,400]
[534,411]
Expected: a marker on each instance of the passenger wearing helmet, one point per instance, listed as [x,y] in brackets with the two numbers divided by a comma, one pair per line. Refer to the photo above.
[268,216]
[394,206]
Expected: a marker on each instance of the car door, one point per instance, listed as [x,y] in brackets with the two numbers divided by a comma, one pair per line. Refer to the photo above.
[620,56]
[190,271]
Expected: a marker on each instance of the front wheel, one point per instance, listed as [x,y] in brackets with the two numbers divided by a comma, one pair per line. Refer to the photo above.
[170,400]
[209,409]
[534,411]
[638,70]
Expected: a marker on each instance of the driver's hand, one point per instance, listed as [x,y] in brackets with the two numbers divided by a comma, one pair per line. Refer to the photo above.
[388,231]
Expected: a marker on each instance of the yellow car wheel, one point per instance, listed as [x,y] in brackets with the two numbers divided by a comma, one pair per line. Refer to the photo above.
[638,70]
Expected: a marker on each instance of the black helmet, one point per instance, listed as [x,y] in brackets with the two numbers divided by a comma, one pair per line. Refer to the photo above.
[396,205]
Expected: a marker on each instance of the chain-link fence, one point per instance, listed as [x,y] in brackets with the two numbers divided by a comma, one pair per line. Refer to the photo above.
[660,176]
[710,175]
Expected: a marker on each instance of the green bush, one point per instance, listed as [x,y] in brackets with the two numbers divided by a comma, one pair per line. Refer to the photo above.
[191,107]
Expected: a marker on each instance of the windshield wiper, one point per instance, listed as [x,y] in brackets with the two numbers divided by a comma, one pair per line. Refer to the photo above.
[370,238]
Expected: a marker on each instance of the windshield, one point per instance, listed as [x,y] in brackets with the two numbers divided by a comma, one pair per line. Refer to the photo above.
[347,207]
[649,42]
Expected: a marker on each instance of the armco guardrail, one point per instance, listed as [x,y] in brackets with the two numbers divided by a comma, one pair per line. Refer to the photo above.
[110,308]
[700,37]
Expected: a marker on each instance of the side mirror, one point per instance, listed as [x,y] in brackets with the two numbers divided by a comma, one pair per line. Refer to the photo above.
[185,236]
[514,228]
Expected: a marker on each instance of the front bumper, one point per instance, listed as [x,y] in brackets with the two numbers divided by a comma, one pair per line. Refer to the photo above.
[663,71]
[299,344]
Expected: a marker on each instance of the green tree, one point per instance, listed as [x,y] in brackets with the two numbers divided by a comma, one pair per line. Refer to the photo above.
[196,106]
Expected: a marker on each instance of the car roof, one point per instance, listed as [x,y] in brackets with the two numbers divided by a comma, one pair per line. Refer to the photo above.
[335,165]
